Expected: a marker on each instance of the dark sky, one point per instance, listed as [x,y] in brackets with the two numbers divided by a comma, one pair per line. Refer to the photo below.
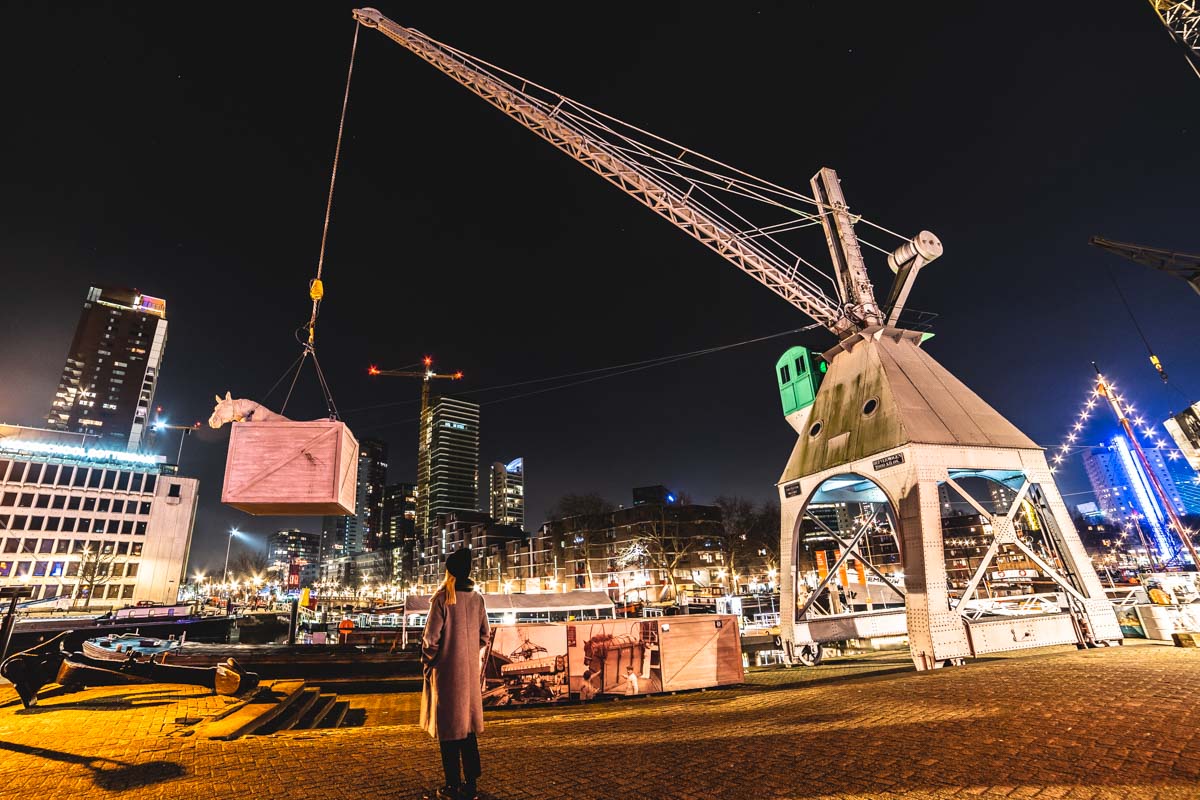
[185,150]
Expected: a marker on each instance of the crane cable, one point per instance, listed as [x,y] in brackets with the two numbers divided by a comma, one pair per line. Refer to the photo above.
[610,372]
[1154,360]
[316,288]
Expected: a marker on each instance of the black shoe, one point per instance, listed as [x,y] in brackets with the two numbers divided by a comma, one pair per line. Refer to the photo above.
[447,793]
[468,792]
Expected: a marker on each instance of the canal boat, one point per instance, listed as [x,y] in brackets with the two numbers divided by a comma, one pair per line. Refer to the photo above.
[126,646]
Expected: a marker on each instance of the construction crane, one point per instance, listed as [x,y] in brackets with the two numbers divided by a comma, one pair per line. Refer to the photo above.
[698,194]
[1181,265]
[1182,21]
[426,375]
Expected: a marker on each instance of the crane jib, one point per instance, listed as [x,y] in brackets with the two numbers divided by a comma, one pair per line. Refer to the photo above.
[647,175]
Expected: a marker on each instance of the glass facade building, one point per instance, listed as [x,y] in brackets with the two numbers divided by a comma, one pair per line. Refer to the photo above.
[447,460]
[360,532]
[508,493]
[112,368]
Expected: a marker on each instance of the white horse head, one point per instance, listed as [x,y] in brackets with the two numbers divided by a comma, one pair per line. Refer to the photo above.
[224,411]
[241,410]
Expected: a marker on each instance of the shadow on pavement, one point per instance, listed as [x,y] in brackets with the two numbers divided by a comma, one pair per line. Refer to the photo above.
[116,702]
[120,775]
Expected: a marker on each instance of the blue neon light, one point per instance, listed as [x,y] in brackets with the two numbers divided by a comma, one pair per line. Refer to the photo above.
[1151,511]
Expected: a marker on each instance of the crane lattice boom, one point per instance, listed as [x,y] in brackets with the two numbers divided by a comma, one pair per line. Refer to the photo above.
[1181,265]
[696,193]
[1182,20]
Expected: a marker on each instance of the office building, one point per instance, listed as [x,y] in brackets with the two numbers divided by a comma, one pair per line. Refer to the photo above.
[357,533]
[1122,487]
[1186,482]
[447,460]
[508,493]
[289,551]
[112,368]
[88,524]
[400,527]
[451,531]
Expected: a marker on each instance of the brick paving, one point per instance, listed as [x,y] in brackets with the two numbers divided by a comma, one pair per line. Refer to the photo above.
[1115,723]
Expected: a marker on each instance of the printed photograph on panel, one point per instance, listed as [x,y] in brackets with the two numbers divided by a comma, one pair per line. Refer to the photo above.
[614,657]
[525,664]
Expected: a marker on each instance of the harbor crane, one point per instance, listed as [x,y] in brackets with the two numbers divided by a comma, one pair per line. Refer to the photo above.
[1181,265]
[889,432]
[1181,18]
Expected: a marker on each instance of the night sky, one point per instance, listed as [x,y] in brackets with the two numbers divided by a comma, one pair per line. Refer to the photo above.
[188,154]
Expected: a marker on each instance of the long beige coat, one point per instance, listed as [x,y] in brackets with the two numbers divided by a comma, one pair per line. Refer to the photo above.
[452,697]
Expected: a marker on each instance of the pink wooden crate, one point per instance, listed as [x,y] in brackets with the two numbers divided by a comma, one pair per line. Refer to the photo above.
[284,468]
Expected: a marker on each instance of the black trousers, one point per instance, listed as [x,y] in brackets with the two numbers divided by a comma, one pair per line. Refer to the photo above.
[468,751]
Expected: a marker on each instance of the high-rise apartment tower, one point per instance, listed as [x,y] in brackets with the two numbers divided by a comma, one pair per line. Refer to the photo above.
[447,460]
[508,493]
[107,385]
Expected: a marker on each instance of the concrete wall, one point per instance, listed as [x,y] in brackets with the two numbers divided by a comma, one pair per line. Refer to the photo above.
[168,539]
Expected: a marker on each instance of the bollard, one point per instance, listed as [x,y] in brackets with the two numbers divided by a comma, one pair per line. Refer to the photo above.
[292,621]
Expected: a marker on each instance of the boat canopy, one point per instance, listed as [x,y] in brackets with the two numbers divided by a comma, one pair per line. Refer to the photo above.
[527,603]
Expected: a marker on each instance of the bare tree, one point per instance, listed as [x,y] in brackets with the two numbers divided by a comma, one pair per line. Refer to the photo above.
[249,562]
[95,569]
[739,518]
[764,534]
[584,516]
[669,541]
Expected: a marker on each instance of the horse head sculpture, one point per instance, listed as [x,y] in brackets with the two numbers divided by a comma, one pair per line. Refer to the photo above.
[241,410]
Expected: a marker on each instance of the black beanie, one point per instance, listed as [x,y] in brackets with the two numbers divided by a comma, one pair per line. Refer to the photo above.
[458,564]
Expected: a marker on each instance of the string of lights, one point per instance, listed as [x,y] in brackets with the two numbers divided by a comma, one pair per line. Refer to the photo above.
[1069,445]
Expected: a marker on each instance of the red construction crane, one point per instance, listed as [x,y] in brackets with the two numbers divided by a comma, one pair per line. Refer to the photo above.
[423,437]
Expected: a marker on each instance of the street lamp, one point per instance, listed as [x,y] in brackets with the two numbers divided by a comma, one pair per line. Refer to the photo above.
[163,425]
[232,533]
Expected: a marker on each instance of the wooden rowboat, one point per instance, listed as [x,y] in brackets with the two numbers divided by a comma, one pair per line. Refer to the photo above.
[122,647]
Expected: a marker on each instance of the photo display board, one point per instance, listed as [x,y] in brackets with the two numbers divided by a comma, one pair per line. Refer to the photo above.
[645,656]
[526,665]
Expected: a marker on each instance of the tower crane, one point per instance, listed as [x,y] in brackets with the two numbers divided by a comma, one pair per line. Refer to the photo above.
[426,375]
[1181,18]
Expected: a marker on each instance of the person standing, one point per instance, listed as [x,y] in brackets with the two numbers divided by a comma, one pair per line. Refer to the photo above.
[451,696]
[631,680]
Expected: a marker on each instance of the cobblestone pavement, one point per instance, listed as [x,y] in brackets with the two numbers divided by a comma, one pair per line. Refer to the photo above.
[1120,723]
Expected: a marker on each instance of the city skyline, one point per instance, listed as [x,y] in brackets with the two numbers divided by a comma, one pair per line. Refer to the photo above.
[993,187]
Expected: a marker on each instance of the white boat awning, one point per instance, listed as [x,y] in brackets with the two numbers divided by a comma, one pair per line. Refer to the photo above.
[526,603]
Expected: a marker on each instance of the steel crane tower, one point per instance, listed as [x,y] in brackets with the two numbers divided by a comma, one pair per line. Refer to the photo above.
[888,423]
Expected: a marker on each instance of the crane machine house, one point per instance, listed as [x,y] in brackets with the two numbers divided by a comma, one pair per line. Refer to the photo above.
[900,472]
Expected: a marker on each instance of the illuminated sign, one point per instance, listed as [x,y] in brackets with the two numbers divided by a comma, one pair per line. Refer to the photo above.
[71,451]
[458,426]
[516,466]
[151,305]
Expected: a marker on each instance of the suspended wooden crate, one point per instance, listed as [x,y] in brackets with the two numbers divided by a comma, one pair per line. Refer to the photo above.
[285,468]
